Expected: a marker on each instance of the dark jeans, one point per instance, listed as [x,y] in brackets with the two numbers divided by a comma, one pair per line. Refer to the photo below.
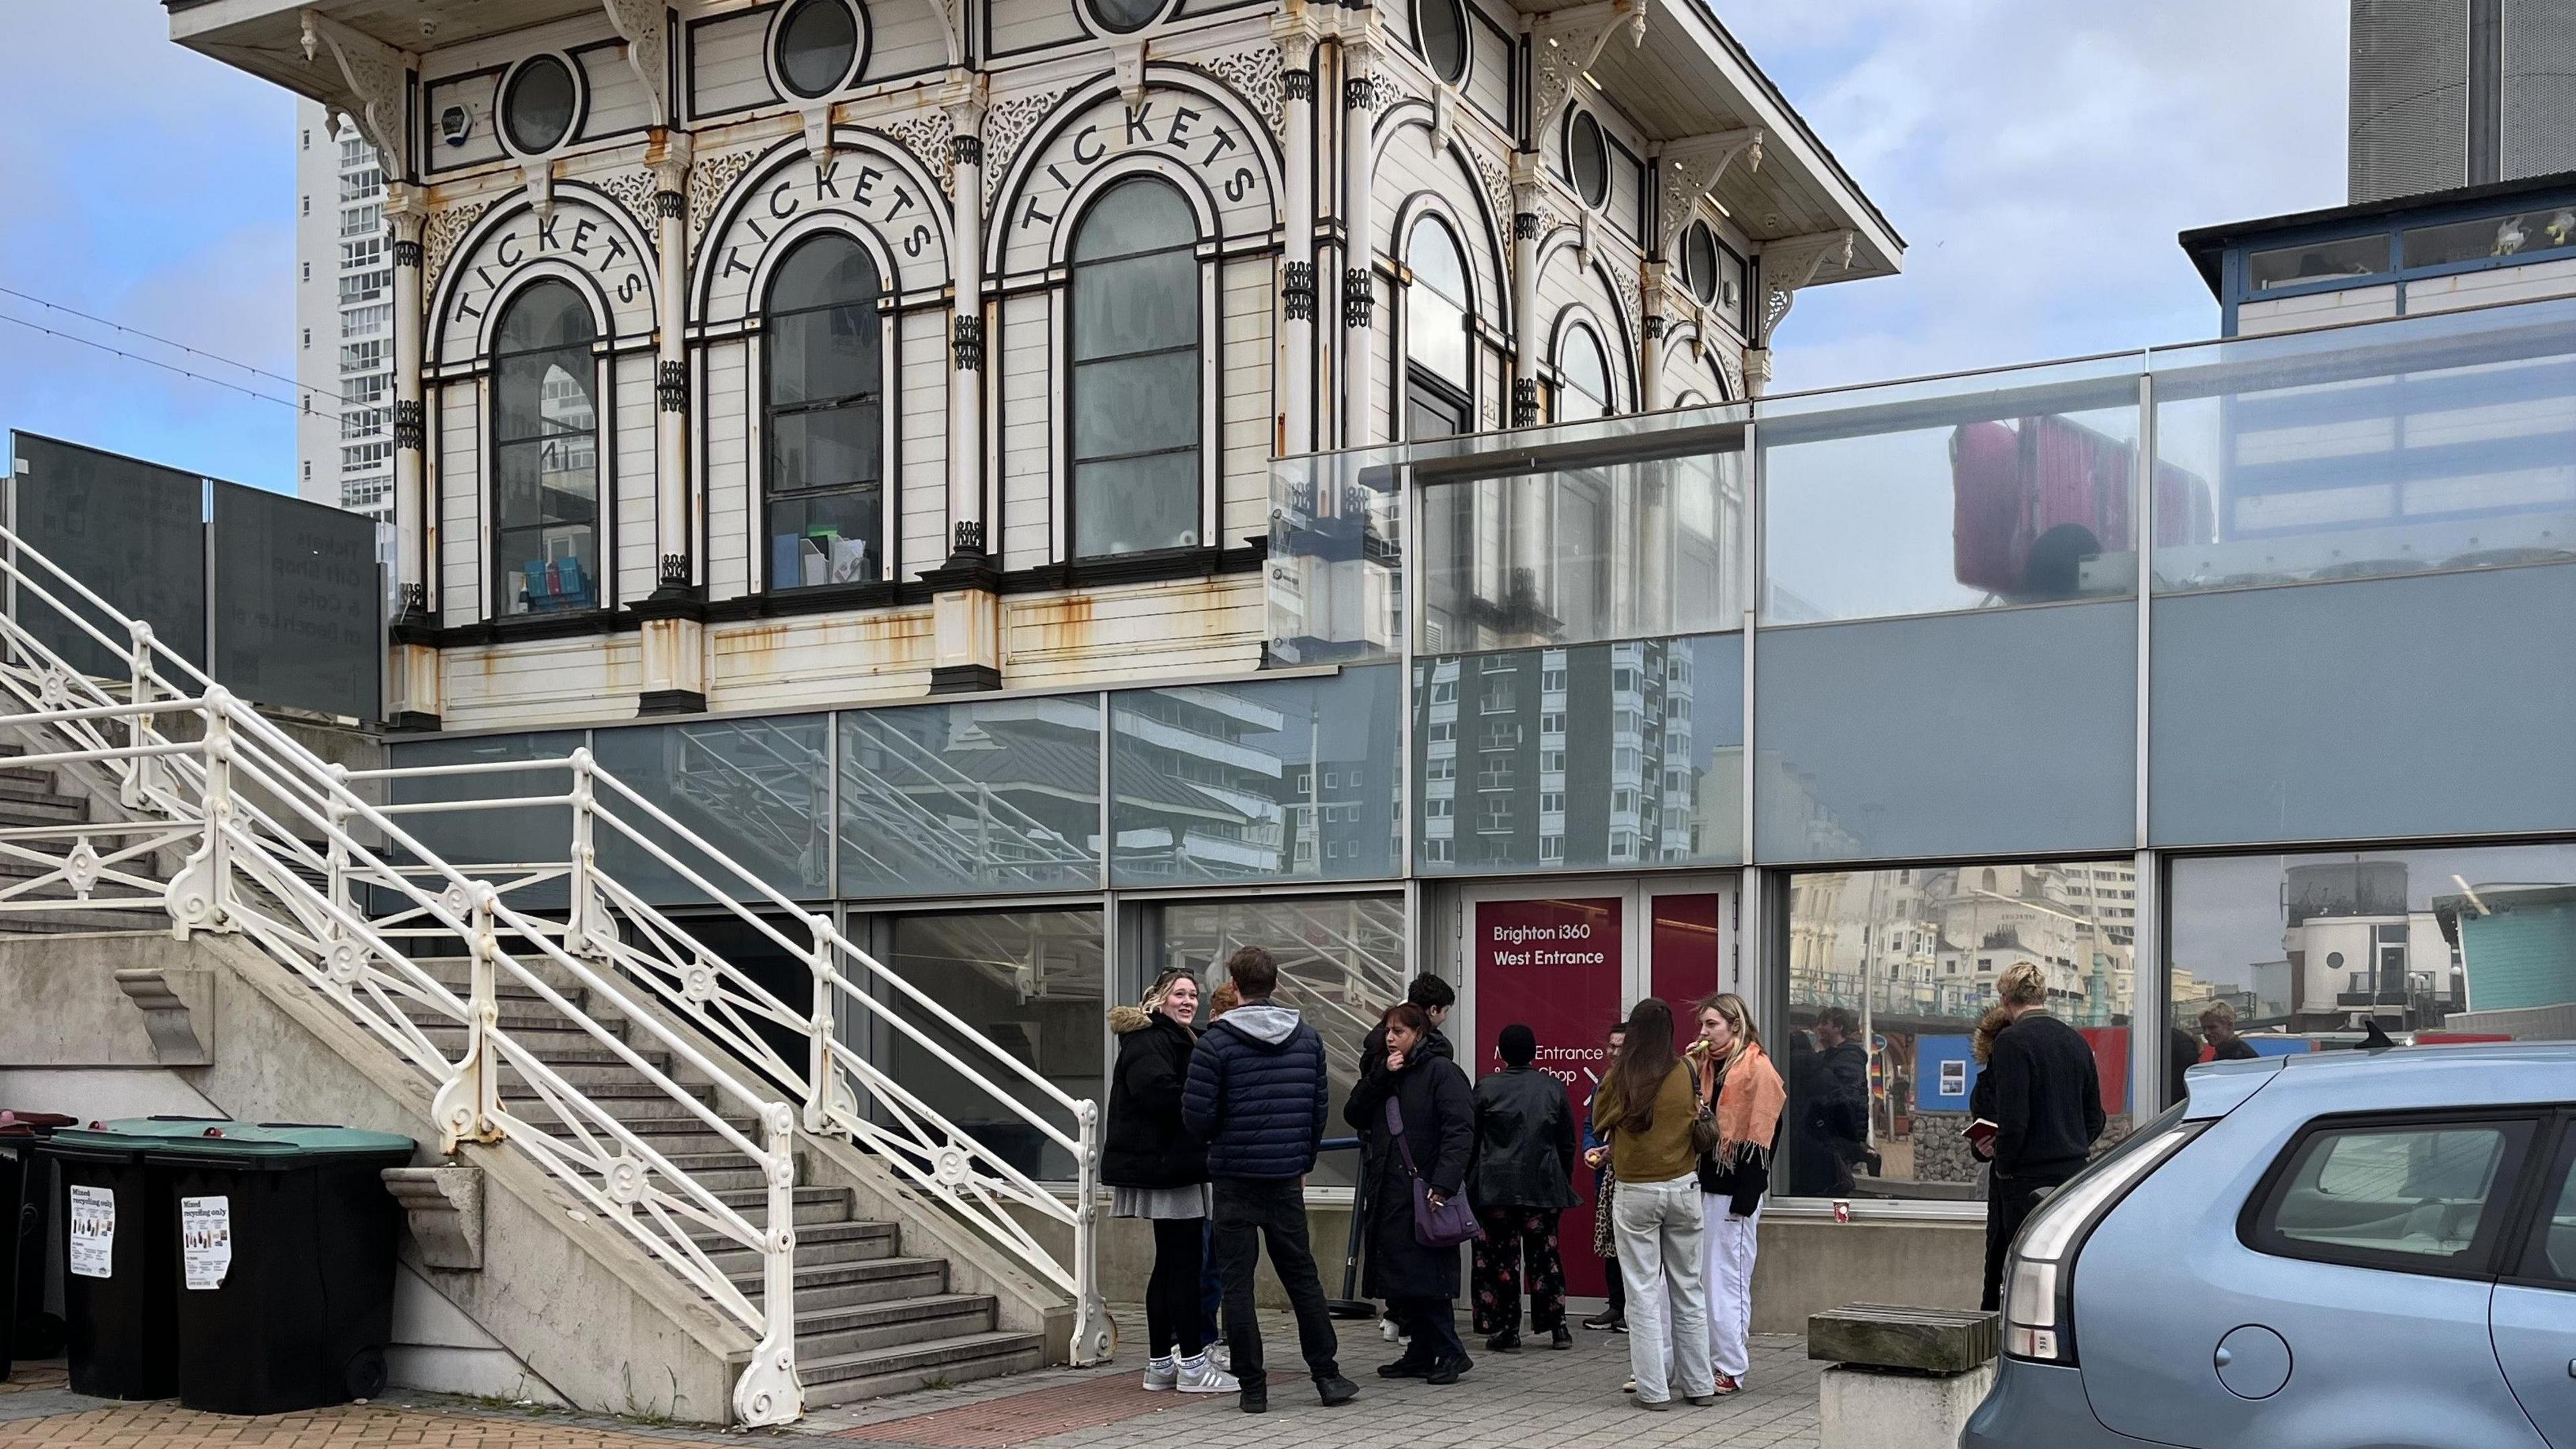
[1433,1323]
[2009,1203]
[1211,1285]
[1248,1212]
[1172,1293]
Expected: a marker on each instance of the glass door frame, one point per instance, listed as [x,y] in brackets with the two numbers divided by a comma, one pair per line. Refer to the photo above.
[1453,946]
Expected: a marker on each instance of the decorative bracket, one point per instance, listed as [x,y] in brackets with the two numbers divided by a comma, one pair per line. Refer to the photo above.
[1691,168]
[818,134]
[1128,58]
[644,26]
[1792,263]
[377,78]
[1443,96]
[175,1042]
[444,1206]
[537,178]
[1566,43]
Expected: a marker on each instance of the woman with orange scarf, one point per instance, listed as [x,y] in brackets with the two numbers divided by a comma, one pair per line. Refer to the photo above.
[1738,1086]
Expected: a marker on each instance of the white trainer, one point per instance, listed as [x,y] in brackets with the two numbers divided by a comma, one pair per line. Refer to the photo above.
[1198,1376]
[1162,1374]
[1221,1357]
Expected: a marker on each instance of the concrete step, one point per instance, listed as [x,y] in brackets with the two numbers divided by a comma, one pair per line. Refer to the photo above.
[823,1245]
[648,1096]
[592,1076]
[815,1206]
[865,1375]
[859,1281]
[837,1332]
[525,1013]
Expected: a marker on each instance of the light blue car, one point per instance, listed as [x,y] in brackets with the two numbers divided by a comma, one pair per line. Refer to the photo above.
[2341,1251]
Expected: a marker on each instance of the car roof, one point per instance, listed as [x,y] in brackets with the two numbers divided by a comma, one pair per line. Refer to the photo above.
[2476,1074]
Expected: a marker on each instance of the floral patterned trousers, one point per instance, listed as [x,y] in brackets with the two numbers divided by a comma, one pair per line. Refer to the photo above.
[1518,1249]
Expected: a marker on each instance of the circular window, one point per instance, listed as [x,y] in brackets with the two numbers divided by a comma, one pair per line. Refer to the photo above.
[1122,16]
[1440,33]
[818,47]
[1699,263]
[1587,158]
[537,108]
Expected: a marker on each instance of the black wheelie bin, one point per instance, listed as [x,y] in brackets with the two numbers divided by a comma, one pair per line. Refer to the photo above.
[120,1256]
[284,1263]
[26,1330]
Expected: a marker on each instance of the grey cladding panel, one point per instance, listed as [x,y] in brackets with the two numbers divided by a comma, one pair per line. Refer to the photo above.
[297,603]
[134,532]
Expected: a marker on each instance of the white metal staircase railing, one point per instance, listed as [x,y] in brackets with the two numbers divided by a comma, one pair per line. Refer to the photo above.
[287,850]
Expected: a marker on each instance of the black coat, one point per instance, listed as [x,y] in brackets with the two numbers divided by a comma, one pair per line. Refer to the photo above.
[1373,1048]
[1439,1113]
[1525,1151]
[1143,1144]
[2047,1098]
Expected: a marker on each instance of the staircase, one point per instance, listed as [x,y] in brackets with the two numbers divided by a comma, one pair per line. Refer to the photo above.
[599,1045]
[870,1319]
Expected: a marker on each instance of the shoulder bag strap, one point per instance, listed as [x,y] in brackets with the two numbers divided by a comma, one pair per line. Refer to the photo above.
[1395,1125]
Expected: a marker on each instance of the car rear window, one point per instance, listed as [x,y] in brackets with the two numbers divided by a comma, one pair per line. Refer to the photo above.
[2390,1195]
[2553,1247]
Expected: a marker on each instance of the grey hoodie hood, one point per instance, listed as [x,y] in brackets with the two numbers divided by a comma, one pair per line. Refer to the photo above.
[1269,1025]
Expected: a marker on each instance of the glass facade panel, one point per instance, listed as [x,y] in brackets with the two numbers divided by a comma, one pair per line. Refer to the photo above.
[1336,569]
[2007,489]
[2358,256]
[943,799]
[2435,443]
[2425,705]
[2491,237]
[2272,955]
[1888,973]
[1290,779]
[486,843]
[756,789]
[1991,733]
[1603,755]
[1341,964]
[1034,984]
[1564,557]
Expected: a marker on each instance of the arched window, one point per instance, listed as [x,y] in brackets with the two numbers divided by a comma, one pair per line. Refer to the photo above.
[1583,376]
[545,453]
[1437,371]
[824,375]
[1135,373]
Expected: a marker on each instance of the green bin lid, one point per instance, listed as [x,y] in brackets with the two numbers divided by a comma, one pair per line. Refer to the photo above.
[275,1144]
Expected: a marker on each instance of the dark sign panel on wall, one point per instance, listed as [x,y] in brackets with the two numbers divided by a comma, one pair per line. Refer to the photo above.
[297,601]
[133,532]
[1553,966]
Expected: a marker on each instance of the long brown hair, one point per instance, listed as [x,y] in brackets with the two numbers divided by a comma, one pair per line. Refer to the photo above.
[1637,1074]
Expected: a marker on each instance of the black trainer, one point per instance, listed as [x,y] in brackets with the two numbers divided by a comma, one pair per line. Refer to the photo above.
[1604,1321]
[1336,1391]
[1507,1341]
[1256,1399]
[1559,1338]
[1407,1367]
[1448,1369]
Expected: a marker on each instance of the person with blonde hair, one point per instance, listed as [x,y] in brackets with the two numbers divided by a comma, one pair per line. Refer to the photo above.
[2046,1099]
[1742,1092]
[1156,1171]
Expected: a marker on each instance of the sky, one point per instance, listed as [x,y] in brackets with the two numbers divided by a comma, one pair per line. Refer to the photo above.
[2038,157]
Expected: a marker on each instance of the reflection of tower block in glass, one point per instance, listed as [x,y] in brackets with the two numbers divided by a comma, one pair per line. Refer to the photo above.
[1335,592]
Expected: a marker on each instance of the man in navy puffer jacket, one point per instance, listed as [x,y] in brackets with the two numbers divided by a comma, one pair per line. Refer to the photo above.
[1258,1097]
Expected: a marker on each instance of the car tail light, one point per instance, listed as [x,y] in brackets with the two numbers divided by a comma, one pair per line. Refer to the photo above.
[2039,1299]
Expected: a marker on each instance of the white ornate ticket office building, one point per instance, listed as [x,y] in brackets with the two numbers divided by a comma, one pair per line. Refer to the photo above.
[760,356]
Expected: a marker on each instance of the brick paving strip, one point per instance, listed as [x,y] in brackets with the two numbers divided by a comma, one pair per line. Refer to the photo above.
[1024,1418]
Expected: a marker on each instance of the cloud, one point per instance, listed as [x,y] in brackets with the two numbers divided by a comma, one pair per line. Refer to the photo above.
[2039,157]
[153,187]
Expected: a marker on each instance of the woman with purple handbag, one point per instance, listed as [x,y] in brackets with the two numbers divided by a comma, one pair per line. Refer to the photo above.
[1416,1116]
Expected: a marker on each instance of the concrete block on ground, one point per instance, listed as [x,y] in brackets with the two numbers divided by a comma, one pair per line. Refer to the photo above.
[1919,1340]
[1862,1408]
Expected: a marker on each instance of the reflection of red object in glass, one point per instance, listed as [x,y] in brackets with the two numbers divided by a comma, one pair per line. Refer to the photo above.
[1685,958]
[2011,484]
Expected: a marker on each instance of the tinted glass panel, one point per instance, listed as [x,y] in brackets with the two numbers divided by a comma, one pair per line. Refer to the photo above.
[1926,737]
[1136,304]
[133,532]
[1336,571]
[1960,501]
[1136,504]
[2490,237]
[2308,262]
[1699,262]
[538,109]
[950,798]
[1440,28]
[488,844]
[1134,216]
[816,45]
[2399,451]
[2417,1192]
[546,454]
[1137,405]
[825,335]
[1632,549]
[1888,973]
[1587,158]
[2339,710]
[827,538]
[1032,982]
[757,790]
[1272,780]
[1435,312]
[298,603]
[1341,964]
[2553,1243]
[1603,755]
[1586,374]
[1125,15]
[2281,955]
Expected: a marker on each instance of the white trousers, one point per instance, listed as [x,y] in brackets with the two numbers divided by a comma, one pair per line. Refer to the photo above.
[1658,1227]
[1729,1244]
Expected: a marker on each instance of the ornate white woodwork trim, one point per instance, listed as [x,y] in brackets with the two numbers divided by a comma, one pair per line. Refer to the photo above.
[1255,74]
[439,239]
[926,136]
[376,78]
[1691,168]
[634,191]
[1008,125]
[1792,263]
[1565,43]
[709,180]
[1498,187]
[644,26]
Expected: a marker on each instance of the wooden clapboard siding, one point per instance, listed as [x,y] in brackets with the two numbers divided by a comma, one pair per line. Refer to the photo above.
[921,351]
[727,69]
[1025,412]
[539,681]
[728,463]
[1245,416]
[460,503]
[1113,636]
[632,478]
[618,100]
[819,659]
